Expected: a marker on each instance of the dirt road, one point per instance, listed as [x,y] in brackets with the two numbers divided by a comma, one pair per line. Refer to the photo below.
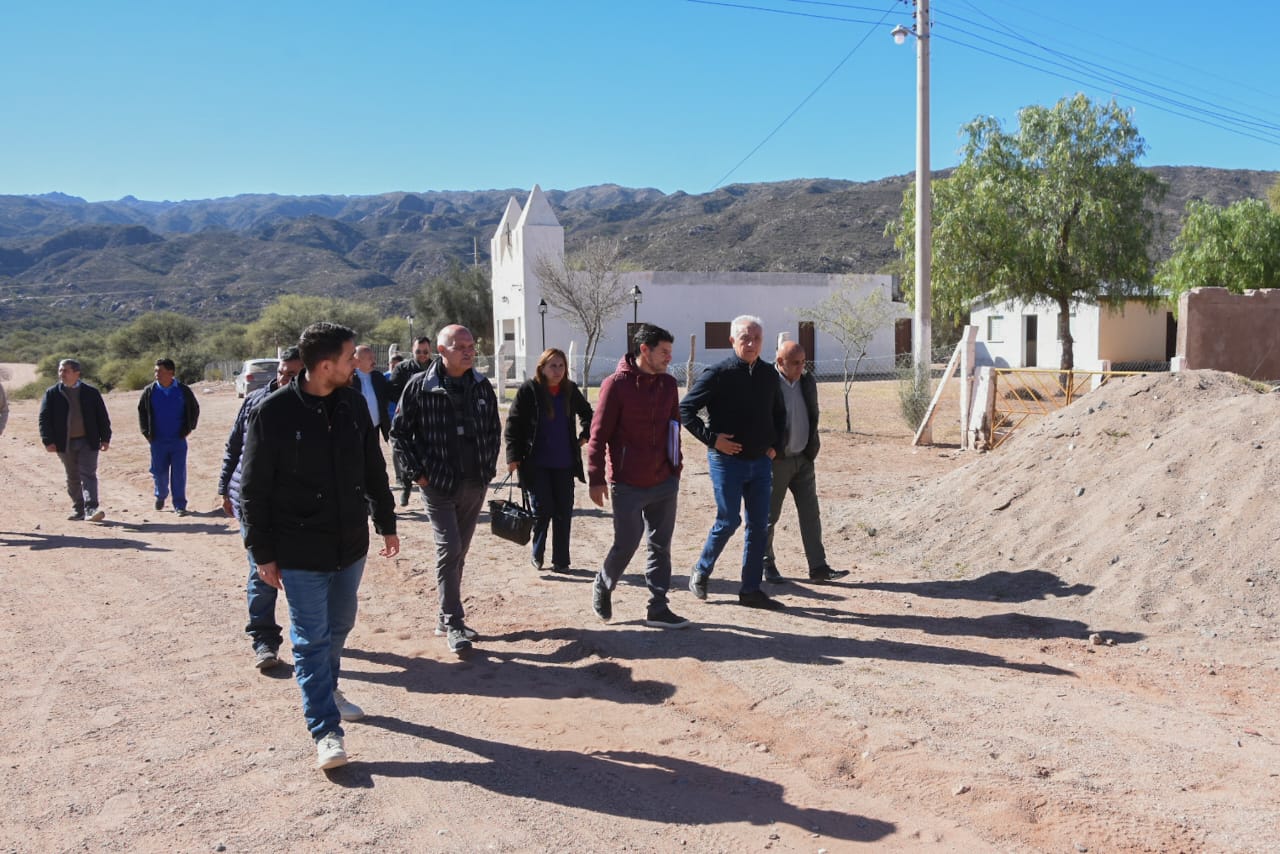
[913,707]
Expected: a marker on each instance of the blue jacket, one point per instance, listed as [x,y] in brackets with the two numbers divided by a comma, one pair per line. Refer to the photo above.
[147,416]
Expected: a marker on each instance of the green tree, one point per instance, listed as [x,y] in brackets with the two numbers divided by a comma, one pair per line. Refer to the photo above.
[1056,212]
[158,334]
[853,322]
[1273,196]
[1236,247]
[462,295]
[282,322]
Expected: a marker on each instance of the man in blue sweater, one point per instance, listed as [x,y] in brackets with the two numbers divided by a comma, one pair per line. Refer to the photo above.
[167,414]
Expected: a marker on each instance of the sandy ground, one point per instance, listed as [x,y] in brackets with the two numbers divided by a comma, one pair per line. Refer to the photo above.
[946,696]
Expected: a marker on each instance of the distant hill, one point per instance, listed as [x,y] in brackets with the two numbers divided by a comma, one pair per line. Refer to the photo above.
[226,258]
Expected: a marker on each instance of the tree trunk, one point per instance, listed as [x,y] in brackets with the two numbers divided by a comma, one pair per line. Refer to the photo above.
[1068,362]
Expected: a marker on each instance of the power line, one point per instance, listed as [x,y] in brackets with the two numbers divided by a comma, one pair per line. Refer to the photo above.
[815,90]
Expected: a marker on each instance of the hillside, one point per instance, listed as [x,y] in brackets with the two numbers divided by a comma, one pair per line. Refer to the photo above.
[225,258]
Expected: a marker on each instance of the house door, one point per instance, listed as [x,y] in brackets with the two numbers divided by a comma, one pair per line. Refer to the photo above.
[1170,336]
[1029,324]
[805,334]
[901,337]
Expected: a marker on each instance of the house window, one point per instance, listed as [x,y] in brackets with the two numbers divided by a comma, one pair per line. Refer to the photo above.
[715,336]
[995,327]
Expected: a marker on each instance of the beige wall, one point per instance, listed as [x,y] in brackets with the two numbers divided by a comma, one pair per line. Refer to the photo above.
[1231,332]
[1135,333]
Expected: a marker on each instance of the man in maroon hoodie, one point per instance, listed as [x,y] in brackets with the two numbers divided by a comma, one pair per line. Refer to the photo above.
[637,428]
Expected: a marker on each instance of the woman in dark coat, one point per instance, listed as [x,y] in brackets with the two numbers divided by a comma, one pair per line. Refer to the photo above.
[542,443]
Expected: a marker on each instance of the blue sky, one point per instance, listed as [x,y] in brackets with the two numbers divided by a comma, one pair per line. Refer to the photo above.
[165,100]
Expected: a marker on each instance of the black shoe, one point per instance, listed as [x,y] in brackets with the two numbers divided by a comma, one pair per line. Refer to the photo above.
[404,497]
[665,619]
[697,584]
[442,630]
[827,574]
[757,599]
[159,503]
[601,600]
[76,516]
[772,575]
[560,567]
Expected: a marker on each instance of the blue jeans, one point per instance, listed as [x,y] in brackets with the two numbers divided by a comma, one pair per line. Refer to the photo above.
[169,468]
[322,609]
[262,627]
[739,484]
[652,512]
[551,496]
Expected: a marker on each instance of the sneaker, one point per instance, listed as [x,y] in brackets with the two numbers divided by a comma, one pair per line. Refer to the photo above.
[560,567]
[602,600]
[95,515]
[665,619]
[181,511]
[467,632]
[265,657]
[76,516]
[404,497]
[330,753]
[347,709]
[458,640]
[536,564]
[772,575]
[757,599]
[826,573]
[697,584]
[159,503]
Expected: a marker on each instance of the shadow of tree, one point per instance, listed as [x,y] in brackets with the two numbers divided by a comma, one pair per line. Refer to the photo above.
[630,784]
[36,542]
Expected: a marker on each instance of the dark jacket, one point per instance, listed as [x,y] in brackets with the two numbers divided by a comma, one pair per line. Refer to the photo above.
[310,480]
[400,376]
[233,454]
[424,433]
[528,413]
[632,426]
[147,418]
[809,391]
[55,412]
[742,401]
[382,392]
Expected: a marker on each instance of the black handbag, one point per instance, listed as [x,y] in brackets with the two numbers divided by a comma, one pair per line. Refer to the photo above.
[509,520]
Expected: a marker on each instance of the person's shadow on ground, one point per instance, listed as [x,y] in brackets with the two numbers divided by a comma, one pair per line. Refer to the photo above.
[630,784]
[999,586]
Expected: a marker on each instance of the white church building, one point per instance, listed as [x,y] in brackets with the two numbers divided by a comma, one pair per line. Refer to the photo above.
[692,306]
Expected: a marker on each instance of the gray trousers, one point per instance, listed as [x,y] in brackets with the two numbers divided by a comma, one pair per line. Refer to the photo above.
[796,473]
[651,512]
[80,461]
[453,522]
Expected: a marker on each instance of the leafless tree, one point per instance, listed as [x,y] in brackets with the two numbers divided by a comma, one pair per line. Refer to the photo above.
[853,322]
[586,290]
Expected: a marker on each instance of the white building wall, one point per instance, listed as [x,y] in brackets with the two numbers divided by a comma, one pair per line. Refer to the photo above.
[1136,333]
[1010,348]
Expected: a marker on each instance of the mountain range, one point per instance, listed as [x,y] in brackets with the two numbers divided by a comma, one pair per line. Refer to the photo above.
[227,258]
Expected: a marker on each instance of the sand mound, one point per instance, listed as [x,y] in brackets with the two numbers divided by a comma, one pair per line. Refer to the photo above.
[1155,495]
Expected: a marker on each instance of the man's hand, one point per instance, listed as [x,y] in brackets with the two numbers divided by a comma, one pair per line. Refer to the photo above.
[104,446]
[53,449]
[226,505]
[391,546]
[771,454]
[725,444]
[511,467]
[270,573]
[599,494]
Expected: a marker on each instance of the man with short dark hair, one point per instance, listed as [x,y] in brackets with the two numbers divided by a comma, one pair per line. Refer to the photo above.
[167,414]
[447,434]
[423,352]
[75,425]
[793,468]
[313,474]
[746,421]
[634,451]
[262,628]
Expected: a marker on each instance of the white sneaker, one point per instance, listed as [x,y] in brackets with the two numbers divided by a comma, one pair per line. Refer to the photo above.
[330,752]
[347,709]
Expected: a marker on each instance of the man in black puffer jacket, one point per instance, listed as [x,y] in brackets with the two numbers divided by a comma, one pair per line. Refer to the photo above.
[313,473]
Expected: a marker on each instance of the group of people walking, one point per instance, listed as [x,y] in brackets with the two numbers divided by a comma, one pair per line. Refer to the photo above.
[303,472]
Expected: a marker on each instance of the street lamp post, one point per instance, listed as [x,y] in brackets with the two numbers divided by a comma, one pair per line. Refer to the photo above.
[921,331]
[636,298]
[409,317]
[542,310]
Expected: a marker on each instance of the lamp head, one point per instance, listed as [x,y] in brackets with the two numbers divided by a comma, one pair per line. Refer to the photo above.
[900,34]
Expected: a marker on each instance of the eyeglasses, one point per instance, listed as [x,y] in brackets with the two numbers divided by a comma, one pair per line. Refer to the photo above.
[422,352]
